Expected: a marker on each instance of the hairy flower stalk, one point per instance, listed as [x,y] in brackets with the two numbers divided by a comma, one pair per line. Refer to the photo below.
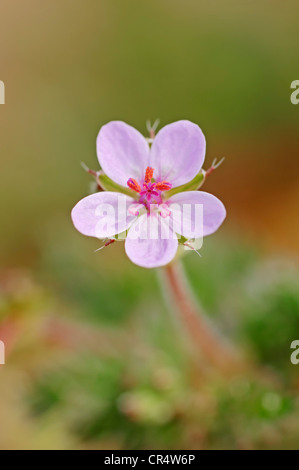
[215,350]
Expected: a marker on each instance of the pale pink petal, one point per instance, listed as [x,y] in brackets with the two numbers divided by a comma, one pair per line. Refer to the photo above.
[149,244]
[178,152]
[195,214]
[103,215]
[123,152]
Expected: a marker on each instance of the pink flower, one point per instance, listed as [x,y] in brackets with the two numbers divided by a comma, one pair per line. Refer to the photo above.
[150,219]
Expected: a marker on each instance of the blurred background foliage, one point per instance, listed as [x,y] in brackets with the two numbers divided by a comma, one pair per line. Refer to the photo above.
[94,358]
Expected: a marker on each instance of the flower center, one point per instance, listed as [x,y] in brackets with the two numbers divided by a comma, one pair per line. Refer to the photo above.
[151,192]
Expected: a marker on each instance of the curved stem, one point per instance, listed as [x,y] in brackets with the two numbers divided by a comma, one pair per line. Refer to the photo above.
[213,347]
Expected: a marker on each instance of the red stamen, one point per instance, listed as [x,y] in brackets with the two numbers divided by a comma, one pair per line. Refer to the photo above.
[148,174]
[133,185]
[163,186]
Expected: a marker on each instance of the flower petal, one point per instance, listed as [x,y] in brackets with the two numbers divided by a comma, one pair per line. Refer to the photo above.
[123,152]
[103,214]
[149,244]
[195,214]
[178,152]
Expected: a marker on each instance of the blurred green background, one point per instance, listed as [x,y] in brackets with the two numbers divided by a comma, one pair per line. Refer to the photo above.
[94,358]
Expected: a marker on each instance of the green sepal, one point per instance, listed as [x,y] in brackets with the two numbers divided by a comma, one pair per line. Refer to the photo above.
[193,185]
[121,236]
[108,185]
[182,240]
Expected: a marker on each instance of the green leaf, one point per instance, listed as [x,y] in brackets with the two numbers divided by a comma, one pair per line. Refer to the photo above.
[193,185]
